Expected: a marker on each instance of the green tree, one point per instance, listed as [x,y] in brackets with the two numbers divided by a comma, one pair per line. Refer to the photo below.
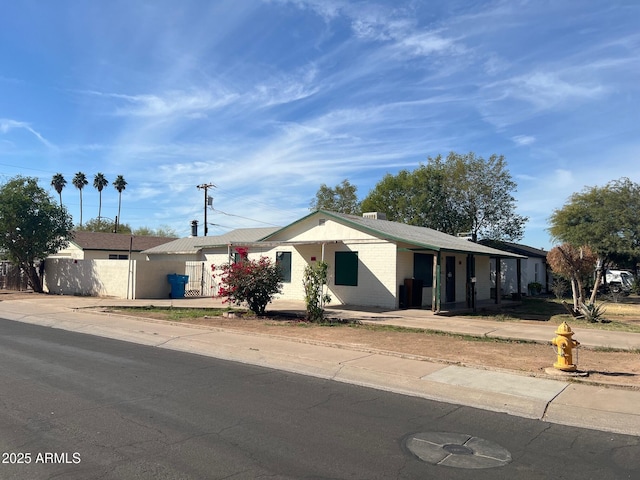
[604,219]
[462,193]
[119,184]
[58,182]
[161,231]
[342,198]
[99,182]
[416,198]
[255,282]
[104,226]
[32,226]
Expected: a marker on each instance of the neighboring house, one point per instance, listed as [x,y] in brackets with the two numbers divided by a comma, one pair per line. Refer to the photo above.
[199,253]
[109,246]
[533,270]
[87,267]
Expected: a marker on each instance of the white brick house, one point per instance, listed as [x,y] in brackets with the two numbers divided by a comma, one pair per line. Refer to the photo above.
[375,262]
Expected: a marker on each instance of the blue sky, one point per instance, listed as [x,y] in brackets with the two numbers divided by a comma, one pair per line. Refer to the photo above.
[270,99]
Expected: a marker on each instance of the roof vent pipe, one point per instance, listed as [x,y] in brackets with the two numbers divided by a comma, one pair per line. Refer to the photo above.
[194,228]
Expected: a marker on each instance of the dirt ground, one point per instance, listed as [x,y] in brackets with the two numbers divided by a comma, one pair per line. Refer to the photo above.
[607,368]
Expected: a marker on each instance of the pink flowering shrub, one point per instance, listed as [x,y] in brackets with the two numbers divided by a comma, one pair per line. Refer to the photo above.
[255,282]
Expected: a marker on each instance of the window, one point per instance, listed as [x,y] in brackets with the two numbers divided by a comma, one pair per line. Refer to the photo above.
[346,266]
[283,262]
[423,268]
[113,256]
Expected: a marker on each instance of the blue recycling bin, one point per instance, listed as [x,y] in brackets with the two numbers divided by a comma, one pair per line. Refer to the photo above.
[178,284]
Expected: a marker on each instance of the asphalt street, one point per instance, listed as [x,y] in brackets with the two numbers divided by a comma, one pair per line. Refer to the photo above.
[77,406]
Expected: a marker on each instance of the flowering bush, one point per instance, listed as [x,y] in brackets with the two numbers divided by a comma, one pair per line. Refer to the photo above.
[252,281]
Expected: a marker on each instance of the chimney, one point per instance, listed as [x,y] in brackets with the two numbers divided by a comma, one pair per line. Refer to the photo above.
[194,228]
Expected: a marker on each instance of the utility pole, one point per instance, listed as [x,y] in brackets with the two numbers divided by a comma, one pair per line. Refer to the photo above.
[205,187]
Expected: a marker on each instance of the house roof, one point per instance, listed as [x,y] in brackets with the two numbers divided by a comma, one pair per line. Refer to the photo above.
[515,248]
[115,241]
[190,245]
[419,237]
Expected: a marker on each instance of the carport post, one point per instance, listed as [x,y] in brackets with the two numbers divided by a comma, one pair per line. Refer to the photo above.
[498,280]
[435,295]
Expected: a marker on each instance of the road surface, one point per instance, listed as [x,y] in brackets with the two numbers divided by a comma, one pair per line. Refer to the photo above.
[77,406]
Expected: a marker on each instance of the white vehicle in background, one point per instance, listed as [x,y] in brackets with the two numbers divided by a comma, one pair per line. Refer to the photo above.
[619,281]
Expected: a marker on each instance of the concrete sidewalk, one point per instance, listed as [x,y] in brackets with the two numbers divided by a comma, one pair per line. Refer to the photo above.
[557,401]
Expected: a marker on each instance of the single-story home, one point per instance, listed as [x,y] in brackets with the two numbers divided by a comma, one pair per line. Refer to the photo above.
[87,267]
[372,261]
[376,262]
[109,246]
[199,253]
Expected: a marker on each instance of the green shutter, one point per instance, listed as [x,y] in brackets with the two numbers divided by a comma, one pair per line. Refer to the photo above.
[346,266]
[423,268]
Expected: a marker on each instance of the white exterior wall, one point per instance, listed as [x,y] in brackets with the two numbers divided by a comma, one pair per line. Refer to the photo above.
[376,262]
[376,275]
[483,278]
[109,278]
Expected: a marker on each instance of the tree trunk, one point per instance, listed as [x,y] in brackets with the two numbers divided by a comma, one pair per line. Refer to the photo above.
[34,280]
[575,291]
[592,300]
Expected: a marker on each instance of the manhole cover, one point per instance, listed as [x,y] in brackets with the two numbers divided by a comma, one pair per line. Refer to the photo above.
[457,450]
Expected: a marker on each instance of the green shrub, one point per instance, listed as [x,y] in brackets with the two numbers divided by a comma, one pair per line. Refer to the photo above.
[315,278]
[592,313]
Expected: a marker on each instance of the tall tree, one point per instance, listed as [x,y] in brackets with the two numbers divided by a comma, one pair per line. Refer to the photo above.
[482,193]
[462,193]
[603,218]
[120,184]
[58,182]
[416,198]
[32,225]
[80,181]
[342,198]
[99,182]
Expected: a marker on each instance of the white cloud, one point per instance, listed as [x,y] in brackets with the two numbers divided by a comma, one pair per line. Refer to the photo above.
[6,125]
[544,90]
[523,140]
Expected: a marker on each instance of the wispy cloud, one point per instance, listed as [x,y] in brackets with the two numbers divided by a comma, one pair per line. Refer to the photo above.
[523,140]
[7,124]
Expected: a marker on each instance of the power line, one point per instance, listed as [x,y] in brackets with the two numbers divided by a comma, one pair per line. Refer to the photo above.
[245,218]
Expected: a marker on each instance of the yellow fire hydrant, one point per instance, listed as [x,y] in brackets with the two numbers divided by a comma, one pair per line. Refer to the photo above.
[565,345]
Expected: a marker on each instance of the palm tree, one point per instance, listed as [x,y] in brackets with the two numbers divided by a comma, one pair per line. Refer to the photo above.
[120,184]
[99,182]
[80,181]
[58,182]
